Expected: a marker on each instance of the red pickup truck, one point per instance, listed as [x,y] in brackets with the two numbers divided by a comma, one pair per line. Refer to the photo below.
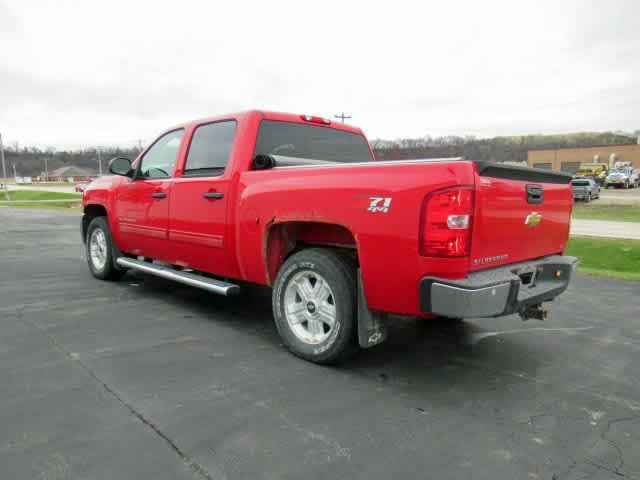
[300,204]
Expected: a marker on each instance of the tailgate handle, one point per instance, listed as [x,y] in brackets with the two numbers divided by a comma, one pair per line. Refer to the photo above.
[535,194]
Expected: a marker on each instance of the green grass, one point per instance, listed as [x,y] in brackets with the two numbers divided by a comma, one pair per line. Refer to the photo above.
[620,213]
[67,200]
[607,257]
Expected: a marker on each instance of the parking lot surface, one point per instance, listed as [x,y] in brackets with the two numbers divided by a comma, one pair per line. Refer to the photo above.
[605,228]
[147,379]
[619,196]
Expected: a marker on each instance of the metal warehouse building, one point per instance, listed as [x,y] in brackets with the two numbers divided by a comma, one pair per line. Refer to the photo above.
[569,159]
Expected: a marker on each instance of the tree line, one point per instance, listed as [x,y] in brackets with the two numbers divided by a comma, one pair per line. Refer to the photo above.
[498,149]
[30,161]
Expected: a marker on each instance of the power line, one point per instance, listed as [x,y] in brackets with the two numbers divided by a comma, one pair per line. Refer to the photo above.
[342,116]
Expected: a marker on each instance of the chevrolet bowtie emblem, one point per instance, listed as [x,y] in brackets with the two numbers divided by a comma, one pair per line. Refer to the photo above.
[533,219]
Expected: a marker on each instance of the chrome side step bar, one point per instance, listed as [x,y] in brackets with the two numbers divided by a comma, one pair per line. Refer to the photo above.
[191,279]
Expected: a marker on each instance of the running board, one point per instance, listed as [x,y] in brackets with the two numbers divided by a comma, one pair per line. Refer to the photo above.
[191,279]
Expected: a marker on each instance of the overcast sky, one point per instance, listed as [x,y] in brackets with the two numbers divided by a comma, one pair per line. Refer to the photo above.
[80,73]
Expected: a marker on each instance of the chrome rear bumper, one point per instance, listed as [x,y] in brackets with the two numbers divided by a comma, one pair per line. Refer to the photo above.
[498,291]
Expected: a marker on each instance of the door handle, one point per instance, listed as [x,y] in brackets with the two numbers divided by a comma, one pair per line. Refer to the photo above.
[213,195]
[159,195]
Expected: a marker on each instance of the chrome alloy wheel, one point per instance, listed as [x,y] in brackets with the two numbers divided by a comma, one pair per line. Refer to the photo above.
[98,249]
[309,307]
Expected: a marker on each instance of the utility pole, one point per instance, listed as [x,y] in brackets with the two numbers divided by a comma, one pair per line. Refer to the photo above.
[99,163]
[46,170]
[4,170]
[342,116]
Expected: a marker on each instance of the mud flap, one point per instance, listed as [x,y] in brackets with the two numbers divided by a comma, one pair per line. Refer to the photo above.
[116,254]
[371,328]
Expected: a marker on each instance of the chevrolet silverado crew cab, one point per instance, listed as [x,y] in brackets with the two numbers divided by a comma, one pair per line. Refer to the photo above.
[300,204]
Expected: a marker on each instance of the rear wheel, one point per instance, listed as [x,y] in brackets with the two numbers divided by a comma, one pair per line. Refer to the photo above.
[314,305]
[99,250]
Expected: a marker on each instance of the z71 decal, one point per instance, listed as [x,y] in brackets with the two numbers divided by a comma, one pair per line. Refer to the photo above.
[379,204]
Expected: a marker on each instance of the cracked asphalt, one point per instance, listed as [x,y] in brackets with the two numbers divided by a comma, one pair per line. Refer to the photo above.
[147,379]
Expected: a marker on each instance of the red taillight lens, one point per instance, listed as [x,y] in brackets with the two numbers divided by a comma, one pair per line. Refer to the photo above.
[446,223]
[586,189]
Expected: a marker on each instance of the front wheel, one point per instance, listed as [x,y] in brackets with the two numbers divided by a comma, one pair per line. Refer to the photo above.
[99,250]
[314,305]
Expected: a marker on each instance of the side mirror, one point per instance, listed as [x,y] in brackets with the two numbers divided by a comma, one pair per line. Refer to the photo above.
[120,166]
[263,162]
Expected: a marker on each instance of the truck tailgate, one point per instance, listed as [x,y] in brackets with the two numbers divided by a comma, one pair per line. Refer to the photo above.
[520,214]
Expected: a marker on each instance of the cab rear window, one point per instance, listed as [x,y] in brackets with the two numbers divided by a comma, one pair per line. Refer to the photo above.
[298,140]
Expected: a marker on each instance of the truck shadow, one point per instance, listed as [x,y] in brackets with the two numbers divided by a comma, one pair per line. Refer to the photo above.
[418,353]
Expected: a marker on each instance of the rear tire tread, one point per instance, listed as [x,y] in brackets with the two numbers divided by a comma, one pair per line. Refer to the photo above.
[339,270]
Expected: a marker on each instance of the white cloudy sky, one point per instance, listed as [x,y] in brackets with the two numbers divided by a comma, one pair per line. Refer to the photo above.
[79,73]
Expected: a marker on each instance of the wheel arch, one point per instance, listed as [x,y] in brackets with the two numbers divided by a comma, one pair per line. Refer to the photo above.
[282,239]
[90,212]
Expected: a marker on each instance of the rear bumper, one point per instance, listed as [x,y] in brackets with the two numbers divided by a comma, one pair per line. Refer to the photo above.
[498,291]
[581,196]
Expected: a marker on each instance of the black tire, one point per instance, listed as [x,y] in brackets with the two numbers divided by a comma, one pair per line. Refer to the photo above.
[106,271]
[339,272]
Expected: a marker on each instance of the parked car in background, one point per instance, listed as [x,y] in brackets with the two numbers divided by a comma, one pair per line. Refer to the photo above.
[81,187]
[597,171]
[585,189]
[622,176]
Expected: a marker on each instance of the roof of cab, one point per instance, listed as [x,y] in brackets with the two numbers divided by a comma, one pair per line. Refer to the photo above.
[270,115]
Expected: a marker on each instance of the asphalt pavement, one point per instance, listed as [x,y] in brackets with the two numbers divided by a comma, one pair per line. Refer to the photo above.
[619,196]
[605,228]
[143,379]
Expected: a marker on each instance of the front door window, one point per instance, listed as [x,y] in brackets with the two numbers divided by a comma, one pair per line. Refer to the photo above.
[159,161]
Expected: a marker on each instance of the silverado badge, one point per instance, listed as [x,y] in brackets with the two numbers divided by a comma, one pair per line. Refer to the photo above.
[533,219]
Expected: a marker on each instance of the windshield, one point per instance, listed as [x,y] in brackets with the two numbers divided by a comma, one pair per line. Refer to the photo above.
[311,142]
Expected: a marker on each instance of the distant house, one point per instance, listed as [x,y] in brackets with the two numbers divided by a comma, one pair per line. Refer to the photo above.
[69,174]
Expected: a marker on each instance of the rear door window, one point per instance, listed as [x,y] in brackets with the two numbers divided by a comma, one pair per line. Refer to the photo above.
[210,149]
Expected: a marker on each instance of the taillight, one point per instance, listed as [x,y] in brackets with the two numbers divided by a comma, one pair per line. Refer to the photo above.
[586,189]
[446,223]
